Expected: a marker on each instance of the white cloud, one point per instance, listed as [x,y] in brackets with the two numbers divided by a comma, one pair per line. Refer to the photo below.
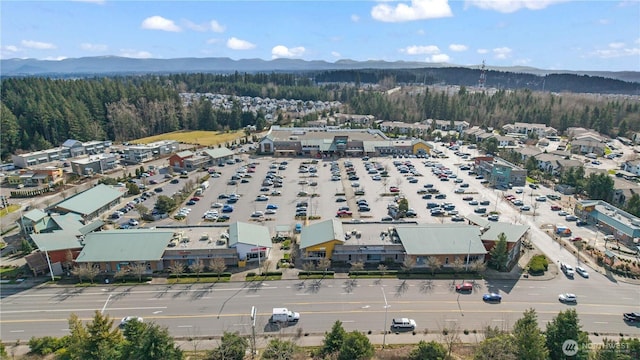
[615,50]
[522,62]
[10,48]
[138,54]
[419,50]
[159,23]
[37,45]
[482,51]
[355,18]
[213,41]
[439,58]
[420,32]
[604,21]
[239,44]
[417,10]
[216,27]
[93,47]
[458,47]
[54,58]
[502,53]
[335,54]
[509,6]
[281,51]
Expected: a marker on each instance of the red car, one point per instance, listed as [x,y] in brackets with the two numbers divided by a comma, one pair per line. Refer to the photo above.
[195,198]
[555,208]
[467,286]
[343,213]
[394,189]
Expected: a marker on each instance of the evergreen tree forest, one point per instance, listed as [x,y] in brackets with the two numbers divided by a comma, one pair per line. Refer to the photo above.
[39,113]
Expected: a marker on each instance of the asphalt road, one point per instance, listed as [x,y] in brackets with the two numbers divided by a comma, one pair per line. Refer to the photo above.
[209,309]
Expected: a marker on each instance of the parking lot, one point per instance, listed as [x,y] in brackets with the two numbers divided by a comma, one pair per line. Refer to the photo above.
[271,191]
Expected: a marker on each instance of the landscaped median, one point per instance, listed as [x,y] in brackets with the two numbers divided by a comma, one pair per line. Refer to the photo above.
[199,278]
[304,275]
[269,275]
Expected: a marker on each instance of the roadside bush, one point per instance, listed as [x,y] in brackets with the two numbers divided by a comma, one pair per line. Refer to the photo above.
[538,264]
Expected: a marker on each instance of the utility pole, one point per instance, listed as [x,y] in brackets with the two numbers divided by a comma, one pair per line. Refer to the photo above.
[254,313]
[386,310]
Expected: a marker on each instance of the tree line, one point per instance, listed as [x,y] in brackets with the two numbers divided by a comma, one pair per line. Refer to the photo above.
[39,113]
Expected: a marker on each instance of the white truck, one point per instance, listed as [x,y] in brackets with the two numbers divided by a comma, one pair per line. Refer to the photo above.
[284,317]
[204,185]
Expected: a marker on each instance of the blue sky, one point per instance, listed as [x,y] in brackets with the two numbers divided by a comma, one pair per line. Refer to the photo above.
[546,34]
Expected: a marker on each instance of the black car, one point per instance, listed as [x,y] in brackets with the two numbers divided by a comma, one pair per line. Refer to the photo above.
[632,317]
[581,223]
[441,196]
[427,196]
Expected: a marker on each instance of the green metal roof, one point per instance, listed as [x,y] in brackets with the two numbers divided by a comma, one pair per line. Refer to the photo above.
[218,152]
[125,245]
[90,201]
[478,220]
[35,215]
[59,240]
[511,231]
[320,233]
[245,233]
[63,232]
[184,154]
[441,239]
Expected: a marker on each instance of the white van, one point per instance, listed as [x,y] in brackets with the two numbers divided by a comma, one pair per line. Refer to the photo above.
[403,324]
[568,270]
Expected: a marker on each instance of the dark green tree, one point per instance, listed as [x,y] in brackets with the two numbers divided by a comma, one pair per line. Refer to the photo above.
[232,347]
[490,145]
[531,164]
[566,326]
[599,186]
[147,341]
[25,247]
[280,350]
[133,189]
[97,340]
[529,341]
[356,346]
[633,205]
[165,204]
[428,351]
[499,255]
[333,340]
[501,347]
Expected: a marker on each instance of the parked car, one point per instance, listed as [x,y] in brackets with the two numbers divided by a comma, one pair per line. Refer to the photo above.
[262,197]
[127,319]
[133,222]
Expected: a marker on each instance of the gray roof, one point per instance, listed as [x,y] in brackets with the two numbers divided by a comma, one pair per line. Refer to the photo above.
[35,215]
[218,152]
[90,201]
[125,245]
[320,233]
[441,239]
[478,220]
[511,231]
[245,233]
[184,154]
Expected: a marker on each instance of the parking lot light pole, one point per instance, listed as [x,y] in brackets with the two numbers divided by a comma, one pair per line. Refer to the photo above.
[386,310]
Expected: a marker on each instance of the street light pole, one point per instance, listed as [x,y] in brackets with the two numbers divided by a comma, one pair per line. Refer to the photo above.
[46,254]
[386,310]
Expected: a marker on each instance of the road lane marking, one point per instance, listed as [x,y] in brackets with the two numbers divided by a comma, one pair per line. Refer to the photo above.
[450,319]
[17,331]
[600,322]
[533,294]
[303,294]
[105,304]
[185,326]
[77,310]
[252,296]
[498,320]
[156,312]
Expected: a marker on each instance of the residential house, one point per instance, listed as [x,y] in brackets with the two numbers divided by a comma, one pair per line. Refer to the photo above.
[527,151]
[587,145]
[632,166]
[506,141]
[539,130]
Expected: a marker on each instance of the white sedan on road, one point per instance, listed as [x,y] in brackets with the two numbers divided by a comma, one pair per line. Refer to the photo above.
[568,298]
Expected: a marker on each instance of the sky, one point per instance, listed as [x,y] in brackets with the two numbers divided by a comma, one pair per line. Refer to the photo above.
[586,35]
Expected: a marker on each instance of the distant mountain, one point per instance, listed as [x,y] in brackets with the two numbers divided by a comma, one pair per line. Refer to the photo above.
[105,65]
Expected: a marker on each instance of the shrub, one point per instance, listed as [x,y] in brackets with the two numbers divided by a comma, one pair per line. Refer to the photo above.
[538,264]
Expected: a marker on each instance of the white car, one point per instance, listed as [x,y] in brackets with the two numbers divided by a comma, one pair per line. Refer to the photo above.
[262,198]
[126,319]
[216,205]
[133,222]
[580,270]
[257,214]
[568,298]
[270,211]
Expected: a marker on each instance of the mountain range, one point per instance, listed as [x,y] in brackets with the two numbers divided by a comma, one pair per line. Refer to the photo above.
[110,65]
